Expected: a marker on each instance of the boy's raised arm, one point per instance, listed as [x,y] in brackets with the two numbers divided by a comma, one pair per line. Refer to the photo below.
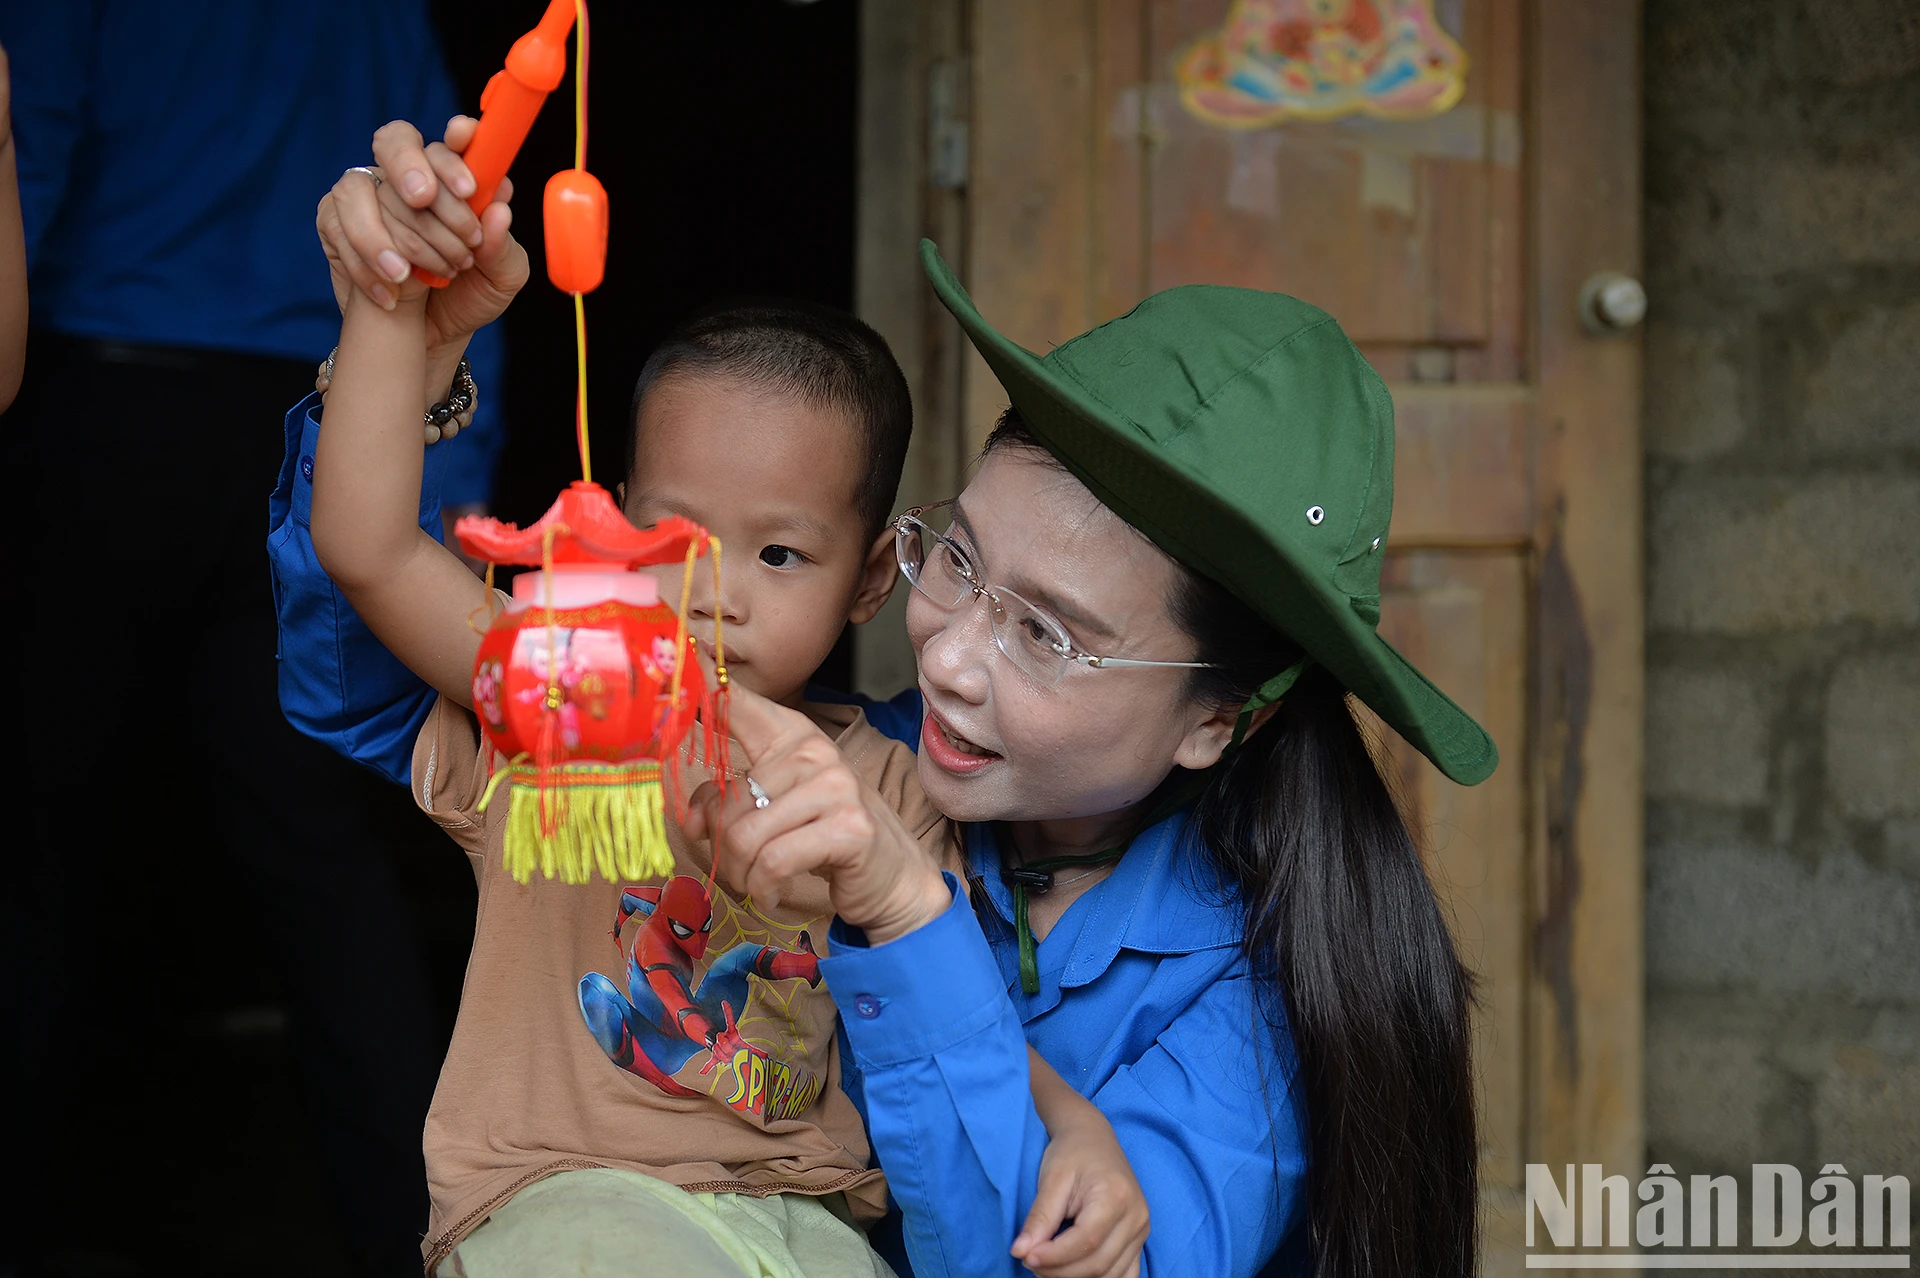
[397,358]
[414,594]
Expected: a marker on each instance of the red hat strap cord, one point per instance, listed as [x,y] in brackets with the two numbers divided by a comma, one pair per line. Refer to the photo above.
[588,682]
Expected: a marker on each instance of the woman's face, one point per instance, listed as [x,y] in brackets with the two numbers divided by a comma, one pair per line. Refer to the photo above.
[1000,745]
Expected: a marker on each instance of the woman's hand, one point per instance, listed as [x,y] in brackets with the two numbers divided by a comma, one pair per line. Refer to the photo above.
[375,233]
[820,819]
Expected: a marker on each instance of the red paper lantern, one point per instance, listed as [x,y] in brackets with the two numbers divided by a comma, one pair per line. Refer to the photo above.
[587,683]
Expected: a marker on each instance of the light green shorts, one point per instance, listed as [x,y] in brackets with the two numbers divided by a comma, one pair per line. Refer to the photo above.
[607,1221]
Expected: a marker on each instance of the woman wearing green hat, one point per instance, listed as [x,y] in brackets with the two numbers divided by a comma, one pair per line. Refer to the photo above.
[1188,887]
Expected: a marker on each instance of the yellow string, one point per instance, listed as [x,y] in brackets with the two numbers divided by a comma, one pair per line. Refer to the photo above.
[580,349]
[553,637]
[550,816]
[487,607]
[719,644]
[580,162]
[718,753]
[680,630]
[493,782]
[580,84]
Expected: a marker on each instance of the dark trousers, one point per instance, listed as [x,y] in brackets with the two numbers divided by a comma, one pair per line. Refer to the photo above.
[213,923]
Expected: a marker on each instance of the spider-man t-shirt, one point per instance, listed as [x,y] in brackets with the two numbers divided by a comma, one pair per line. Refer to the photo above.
[664,1027]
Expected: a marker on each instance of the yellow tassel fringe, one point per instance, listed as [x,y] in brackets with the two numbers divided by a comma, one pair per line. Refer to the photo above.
[605,817]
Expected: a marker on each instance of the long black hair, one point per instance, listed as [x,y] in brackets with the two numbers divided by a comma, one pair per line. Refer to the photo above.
[1351,951]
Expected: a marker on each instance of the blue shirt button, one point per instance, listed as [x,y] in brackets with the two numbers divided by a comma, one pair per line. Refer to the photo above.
[867,1005]
[306,467]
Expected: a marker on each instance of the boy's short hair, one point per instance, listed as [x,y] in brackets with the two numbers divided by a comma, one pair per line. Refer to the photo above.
[817,353]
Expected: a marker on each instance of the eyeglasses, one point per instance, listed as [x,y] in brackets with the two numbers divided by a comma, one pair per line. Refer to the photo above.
[944,574]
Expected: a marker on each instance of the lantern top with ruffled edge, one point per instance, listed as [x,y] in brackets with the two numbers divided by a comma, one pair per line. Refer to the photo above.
[587,683]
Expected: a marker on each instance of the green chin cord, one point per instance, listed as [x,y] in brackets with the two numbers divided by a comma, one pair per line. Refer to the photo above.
[1038,876]
[1268,693]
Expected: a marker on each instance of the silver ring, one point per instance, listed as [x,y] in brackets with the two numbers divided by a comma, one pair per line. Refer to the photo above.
[373,174]
[760,796]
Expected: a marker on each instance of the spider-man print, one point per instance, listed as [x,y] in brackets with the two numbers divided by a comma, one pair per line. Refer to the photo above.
[663,1020]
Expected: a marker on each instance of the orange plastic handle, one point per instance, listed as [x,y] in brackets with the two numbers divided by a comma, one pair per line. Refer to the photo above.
[574,211]
[535,66]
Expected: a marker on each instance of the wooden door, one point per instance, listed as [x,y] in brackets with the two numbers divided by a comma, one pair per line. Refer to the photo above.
[1453,248]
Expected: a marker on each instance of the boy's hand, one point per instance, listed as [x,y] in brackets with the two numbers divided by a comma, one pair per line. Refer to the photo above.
[376,232]
[1084,1178]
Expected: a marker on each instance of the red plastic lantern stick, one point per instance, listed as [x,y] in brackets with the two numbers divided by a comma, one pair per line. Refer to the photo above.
[513,97]
[508,107]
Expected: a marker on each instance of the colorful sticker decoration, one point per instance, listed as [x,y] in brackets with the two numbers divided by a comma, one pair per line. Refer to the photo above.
[1277,60]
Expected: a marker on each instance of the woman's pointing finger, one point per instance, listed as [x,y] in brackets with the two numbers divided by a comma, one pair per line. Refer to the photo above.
[765,729]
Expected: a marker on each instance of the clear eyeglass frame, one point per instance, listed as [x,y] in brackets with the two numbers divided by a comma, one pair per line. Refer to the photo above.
[1026,634]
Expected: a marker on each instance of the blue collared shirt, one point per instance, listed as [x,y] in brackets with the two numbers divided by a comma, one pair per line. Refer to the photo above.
[171,155]
[1146,1006]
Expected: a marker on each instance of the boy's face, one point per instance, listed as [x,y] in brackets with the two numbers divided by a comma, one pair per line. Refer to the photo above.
[773,477]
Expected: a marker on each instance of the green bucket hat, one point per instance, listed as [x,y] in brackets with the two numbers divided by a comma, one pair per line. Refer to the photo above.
[1245,436]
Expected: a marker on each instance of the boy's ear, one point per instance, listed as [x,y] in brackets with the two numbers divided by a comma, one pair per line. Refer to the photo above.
[620,495]
[877,576]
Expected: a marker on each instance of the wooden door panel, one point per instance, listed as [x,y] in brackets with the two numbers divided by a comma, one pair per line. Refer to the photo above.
[1408,268]
[1390,225]
[1461,617]
[1462,465]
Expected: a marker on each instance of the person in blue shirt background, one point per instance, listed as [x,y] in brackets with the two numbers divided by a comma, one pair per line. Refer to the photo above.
[173,318]
[13,254]
[1190,889]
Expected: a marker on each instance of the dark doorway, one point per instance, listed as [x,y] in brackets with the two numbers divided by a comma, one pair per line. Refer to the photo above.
[724,133]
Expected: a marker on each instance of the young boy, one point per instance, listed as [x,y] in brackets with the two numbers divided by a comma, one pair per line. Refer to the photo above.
[591,1071]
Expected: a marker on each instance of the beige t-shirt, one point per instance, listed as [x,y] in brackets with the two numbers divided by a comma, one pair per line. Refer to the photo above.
[569,1052]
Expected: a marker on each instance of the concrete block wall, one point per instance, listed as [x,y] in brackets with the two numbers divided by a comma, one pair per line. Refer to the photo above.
[1783,486]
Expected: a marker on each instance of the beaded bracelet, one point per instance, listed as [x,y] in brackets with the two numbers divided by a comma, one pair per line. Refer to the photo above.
[445,419]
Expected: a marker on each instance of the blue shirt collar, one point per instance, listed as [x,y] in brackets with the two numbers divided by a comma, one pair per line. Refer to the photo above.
[1162,898]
